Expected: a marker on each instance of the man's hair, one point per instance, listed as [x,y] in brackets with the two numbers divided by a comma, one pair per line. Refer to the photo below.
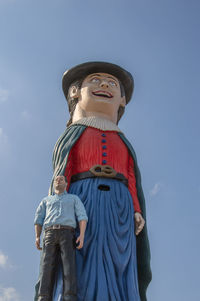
[72,102]
[61,176]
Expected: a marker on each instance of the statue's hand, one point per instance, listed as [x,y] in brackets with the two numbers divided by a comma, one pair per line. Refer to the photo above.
[139,222]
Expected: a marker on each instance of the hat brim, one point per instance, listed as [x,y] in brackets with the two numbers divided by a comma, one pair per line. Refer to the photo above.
[83,70]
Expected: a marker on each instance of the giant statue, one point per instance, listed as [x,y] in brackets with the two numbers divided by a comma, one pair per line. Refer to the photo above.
[101,168]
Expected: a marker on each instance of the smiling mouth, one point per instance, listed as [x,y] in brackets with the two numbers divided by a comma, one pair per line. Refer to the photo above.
[101,93]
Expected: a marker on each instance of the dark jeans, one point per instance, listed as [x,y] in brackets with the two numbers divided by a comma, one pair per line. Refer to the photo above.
[55,241]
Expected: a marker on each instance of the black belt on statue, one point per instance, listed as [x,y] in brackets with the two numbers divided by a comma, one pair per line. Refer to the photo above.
[57,227]
[102,171]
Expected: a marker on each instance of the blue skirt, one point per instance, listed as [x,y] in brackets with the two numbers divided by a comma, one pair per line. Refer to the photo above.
[107,264]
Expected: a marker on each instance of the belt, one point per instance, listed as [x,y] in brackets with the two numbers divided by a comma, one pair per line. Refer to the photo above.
[103,171]
[57,227]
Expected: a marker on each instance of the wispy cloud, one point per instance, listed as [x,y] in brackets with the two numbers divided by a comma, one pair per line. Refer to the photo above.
[4,144]
[25,115]
[156,188]
[3,260]
[9,294]
[3,139]
[3,93]
[6,1]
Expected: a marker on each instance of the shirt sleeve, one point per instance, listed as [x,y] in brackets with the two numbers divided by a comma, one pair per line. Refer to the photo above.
[132,185]
[40,213]
[80,210]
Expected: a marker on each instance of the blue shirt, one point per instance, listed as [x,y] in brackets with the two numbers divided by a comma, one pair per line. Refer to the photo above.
[60,209]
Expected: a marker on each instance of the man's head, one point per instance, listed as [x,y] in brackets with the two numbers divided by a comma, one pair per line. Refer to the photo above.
[60,184]
[98,88]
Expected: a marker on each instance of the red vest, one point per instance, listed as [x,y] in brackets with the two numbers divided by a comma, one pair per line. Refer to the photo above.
[105,148]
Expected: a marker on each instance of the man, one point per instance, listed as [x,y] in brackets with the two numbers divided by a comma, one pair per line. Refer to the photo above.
[101,168]
[58,213]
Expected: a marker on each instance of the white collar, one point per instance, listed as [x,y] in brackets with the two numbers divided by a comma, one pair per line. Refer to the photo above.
[98,123]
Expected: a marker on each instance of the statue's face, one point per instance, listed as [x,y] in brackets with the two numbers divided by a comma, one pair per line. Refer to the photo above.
[100,92]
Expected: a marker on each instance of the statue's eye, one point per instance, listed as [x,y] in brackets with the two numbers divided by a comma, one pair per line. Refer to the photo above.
[112,83]
[95,80]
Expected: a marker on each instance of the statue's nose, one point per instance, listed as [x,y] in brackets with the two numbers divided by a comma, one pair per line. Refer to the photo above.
[104,83]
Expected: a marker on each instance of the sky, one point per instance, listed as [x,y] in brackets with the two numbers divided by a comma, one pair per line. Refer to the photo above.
[158,42]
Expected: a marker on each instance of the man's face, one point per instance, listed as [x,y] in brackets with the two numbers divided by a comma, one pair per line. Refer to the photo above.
[101,92]
[60,183]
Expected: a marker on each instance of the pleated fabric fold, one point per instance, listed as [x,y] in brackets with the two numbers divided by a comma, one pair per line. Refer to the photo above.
[107,264]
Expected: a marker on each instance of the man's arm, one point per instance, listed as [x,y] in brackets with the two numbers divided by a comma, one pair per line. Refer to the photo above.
[38,222]
[38,230]
[80,239]
[82,218]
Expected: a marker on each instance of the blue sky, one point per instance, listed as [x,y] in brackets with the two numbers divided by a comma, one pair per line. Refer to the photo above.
[158,42]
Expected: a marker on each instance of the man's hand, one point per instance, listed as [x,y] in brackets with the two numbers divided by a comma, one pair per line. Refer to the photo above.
[80,240]
[38,230]
[37,243]
[139,223]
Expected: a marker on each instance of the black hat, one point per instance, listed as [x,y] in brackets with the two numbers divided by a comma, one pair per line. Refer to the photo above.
[83,70]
